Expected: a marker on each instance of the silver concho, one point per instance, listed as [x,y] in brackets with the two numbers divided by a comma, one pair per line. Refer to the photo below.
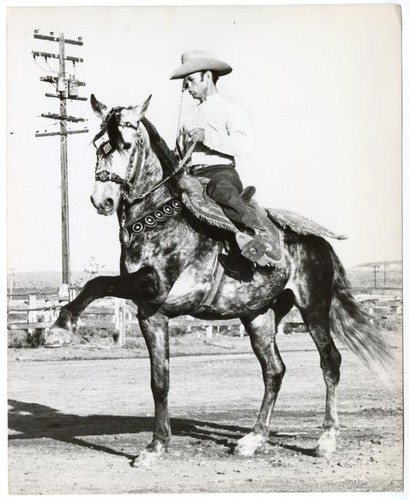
[137,227]
[176,205]
[167,209]
[159,215]
[150,221]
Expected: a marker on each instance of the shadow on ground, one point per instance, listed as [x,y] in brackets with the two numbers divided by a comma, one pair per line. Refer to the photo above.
[36,421]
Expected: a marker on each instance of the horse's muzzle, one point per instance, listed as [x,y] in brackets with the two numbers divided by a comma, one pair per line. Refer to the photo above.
[104,208]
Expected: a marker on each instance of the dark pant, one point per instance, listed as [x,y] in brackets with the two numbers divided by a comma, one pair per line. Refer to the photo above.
[224,188]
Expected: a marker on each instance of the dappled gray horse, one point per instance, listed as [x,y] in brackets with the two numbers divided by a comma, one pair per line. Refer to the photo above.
[168,261]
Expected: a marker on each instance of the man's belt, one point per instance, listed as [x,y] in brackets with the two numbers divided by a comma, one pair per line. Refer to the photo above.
[199,169]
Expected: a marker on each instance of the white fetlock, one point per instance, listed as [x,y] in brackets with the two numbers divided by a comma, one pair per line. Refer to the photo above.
[249,444]
[149,456]
[57,337]
[327,444]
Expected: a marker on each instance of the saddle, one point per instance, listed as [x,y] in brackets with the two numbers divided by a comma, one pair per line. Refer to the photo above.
[263,249]
[277,225]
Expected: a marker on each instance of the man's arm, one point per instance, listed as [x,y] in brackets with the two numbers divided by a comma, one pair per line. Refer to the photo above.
[237,140]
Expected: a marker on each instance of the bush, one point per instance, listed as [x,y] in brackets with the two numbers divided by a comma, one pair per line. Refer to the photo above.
[86,334]
[18,339]
[177,331]
[135,343]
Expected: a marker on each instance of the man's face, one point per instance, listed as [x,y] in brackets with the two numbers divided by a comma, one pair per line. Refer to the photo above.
[197,84]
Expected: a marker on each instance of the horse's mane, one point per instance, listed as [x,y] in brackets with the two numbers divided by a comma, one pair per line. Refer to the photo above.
[111,126]
[168,159]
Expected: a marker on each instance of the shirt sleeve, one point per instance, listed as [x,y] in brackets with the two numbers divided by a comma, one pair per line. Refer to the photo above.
[236,140]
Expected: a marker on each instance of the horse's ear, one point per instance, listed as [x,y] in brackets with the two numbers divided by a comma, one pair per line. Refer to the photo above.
[99,109]
[145,106]
[141,109]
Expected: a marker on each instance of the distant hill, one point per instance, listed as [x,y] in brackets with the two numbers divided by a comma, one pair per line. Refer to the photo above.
[388,275]
[360,276]
[48,280]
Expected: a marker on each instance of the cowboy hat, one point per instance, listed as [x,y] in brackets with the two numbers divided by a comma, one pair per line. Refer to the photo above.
[198,60]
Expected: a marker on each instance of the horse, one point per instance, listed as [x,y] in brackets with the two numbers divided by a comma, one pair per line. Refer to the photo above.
[167,266]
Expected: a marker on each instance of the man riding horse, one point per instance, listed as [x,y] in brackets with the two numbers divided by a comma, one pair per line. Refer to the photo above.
[221,132]
[169,268]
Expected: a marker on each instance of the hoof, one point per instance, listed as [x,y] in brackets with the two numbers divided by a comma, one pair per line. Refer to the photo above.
[57,337]
[149,456]
[327,444]
[249,444]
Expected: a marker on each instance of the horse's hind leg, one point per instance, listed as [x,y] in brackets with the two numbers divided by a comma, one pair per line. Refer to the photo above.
[330,365]
[261,330]
[313,298]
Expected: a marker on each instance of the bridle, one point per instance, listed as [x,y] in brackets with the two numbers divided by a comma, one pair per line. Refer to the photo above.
[134,168]
[129,186]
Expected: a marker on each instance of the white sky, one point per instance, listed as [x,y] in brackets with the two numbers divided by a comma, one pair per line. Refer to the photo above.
[321,85]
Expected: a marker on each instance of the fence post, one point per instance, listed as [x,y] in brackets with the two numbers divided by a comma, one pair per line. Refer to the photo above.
[115,318]
[121,311]
[241,329]
[120,319]
[32,315]
[209,331]
[73,292]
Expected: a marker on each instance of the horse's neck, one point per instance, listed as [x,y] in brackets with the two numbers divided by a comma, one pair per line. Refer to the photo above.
[152,171]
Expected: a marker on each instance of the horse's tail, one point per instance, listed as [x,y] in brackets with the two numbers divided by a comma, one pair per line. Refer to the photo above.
[353,326]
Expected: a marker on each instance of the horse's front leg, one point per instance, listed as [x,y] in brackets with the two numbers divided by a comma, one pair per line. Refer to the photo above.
[143,285]
[155,331]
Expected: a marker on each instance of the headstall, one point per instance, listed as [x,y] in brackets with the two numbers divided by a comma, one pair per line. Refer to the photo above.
[105,149]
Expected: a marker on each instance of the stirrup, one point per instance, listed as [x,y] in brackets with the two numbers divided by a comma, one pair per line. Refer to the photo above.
[254,249]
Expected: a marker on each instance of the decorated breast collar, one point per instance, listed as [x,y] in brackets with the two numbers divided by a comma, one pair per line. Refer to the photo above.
[169,208]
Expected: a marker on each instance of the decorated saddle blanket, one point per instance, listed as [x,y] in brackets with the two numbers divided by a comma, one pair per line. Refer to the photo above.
[196,200]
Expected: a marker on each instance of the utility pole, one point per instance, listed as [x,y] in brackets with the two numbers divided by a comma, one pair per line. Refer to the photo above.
[384,274]
[66,87]
[375,271]
[11,283]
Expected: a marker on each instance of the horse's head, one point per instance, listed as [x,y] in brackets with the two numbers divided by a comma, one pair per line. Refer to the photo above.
[121,146]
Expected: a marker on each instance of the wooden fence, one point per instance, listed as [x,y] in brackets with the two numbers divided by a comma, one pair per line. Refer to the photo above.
[40,313]
[31,312]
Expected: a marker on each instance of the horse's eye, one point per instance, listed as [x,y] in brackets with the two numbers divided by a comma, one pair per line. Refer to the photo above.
[127,145]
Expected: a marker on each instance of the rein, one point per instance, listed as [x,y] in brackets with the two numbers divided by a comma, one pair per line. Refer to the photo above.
[160,183]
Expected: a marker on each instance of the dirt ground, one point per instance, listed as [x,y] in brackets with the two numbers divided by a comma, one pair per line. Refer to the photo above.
[75,425]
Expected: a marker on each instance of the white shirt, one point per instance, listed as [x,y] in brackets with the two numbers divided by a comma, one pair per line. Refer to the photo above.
[227,132]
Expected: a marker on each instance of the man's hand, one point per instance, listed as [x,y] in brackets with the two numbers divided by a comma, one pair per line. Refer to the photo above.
[197,134]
